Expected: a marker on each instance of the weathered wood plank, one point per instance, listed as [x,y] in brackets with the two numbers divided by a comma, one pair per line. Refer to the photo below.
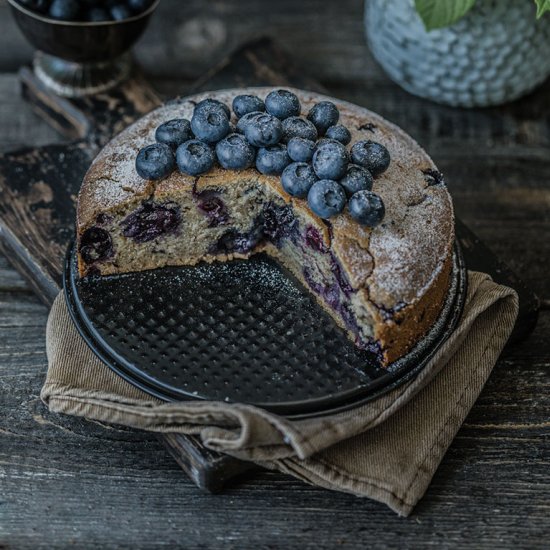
[39,187]
[88,472]
[520,128]
[10,280]
[69,481]
[20,126]
[495,161]
[325,37]
[88,478]
[187,38]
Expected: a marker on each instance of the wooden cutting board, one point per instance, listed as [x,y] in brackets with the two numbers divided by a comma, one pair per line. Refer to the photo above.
[39,186]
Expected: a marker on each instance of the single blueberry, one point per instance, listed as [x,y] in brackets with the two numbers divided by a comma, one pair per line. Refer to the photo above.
[323,141]
[234,241]
[155,161]
[356,179]
[326,198]
[366,208]
[120,12]
[40,6]
[235,153]
[174,132]
[277,222]
[212,105]
[296,126]
[371,155]
[263,130]
[66,10]
[297,178]
[194,157]
[272,160]
[282,104]
[246,119]
[214,208]
[244,104]
[137,6]
[323,115]
[209,125]
[339,133]
[150,221]
[300,149]
[314,239]
[97,14]
[95,245]
[330,161]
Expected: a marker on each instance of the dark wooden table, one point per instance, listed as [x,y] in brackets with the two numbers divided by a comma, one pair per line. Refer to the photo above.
[65,481]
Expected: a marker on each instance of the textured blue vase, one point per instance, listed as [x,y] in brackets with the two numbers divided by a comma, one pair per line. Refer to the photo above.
[498,52]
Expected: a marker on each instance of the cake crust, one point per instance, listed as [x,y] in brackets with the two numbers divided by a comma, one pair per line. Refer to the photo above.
[401,268]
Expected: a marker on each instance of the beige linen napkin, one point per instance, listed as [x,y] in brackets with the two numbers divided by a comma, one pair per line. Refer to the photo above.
[387,450]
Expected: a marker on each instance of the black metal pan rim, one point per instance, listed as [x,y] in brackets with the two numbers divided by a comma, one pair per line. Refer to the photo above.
[114,345]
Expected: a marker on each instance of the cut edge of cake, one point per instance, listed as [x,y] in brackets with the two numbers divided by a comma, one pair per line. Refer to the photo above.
[359,260]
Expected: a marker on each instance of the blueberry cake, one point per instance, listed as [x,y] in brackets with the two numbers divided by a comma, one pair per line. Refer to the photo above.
[349,203]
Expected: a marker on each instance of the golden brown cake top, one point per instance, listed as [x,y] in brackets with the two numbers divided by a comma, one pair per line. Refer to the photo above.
[396,261]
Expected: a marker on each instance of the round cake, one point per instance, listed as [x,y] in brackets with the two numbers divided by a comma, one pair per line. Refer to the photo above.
[375,251]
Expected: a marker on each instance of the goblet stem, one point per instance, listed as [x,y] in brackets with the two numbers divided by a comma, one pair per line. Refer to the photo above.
[72,79]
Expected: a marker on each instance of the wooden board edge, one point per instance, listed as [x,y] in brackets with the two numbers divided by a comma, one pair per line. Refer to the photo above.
[41,283]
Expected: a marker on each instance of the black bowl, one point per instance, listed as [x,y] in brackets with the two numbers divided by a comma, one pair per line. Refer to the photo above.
[81,42]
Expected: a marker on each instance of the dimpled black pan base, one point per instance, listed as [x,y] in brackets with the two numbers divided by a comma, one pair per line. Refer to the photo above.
[242,331]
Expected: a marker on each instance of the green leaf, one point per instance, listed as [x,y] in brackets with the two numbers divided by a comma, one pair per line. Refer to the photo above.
[542,7]
[441,13]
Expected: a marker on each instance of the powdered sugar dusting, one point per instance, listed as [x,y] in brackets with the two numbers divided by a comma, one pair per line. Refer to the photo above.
[411,245]
[255,272]
[402,256]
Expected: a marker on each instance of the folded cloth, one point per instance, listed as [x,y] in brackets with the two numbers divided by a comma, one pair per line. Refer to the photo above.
[387,450]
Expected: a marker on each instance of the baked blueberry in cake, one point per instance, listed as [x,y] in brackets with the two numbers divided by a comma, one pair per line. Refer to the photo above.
[349,203]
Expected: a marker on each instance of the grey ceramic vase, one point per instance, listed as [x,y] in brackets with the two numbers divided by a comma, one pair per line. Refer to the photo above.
[498,52]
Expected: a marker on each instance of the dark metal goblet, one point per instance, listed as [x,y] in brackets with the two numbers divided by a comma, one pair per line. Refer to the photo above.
[79,58]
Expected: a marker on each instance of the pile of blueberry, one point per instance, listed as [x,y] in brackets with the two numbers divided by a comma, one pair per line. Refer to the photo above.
[87,10]
[309,152]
